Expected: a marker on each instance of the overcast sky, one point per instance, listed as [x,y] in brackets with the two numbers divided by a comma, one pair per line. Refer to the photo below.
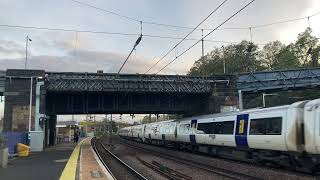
[70,51]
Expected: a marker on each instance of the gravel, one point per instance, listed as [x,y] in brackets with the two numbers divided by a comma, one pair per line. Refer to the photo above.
[236,166]
[129,155]
[117,169]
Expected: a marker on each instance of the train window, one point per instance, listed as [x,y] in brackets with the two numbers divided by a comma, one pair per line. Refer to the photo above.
[172,128]
[224,127]
[257,127]
[205,128]
[228,127]
[274,126]
[266,126]
[184,128]
[218,128]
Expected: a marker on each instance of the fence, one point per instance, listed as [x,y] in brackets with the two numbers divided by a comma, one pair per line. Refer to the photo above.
[13,138]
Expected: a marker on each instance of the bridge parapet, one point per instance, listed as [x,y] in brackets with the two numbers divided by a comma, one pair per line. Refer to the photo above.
[94,82]
[275,80]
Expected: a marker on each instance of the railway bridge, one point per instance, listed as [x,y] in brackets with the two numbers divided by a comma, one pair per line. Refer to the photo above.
[43,95]
[60,93]
[254,84]
[94,93]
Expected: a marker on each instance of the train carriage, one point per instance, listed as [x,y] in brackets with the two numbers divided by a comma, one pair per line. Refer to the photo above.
[159,131]
[312,127]
[284,135]
[138,132]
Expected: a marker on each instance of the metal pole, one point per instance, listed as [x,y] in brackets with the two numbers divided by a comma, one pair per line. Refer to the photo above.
[240,100]
[25,65]
[250,33]
[202,57]
[224,61]
[202,44]
[263,99]
[30,105]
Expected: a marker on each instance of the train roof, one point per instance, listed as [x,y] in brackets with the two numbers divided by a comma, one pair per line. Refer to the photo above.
[172,120]
[296,104]
[313,103]
[299,104]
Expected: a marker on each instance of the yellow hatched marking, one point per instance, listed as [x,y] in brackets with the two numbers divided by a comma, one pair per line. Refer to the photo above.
[69,172]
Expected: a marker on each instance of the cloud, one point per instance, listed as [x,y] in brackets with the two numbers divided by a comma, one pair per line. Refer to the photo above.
[71,41]
[11,48]
[86,61]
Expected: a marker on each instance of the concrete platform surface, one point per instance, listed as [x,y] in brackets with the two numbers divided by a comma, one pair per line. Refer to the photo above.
[48,164]
[84,164]
[91,167]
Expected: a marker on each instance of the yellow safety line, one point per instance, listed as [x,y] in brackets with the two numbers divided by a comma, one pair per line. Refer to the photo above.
[69,172]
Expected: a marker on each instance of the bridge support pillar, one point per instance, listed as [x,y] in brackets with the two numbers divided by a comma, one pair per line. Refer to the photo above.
[50,130]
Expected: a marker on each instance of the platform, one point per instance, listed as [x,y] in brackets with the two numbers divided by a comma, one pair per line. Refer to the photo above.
[42,165]
[83,164]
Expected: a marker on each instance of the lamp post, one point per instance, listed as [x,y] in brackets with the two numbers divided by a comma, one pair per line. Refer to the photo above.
[27,40]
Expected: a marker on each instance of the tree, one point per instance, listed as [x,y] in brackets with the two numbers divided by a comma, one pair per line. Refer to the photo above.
[285,59]
[238,58]
[247,57]
[304,45]
[268,54]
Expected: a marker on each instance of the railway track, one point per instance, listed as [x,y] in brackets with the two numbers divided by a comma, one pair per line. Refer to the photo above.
[189,162]
[116,167]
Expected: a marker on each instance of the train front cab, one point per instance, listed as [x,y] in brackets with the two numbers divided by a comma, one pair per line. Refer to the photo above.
[312,131]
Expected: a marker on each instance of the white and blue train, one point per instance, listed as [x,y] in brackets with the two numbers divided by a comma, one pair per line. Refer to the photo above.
[282,136]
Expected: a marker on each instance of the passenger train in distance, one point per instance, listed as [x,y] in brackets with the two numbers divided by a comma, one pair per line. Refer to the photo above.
[283,136]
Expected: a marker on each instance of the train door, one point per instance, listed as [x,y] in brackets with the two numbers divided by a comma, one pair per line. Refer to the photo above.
[317,129]
[241,131]
[193,131]
[143,132]
[183,132]
[266,130]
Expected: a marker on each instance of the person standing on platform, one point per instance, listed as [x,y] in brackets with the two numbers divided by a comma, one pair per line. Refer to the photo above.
[76,135]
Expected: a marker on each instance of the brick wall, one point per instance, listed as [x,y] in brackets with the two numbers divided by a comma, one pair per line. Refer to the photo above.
[20,118]
[17,98]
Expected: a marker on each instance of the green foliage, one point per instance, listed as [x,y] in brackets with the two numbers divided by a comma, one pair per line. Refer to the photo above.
[146,119]
[248,57]
[106,127]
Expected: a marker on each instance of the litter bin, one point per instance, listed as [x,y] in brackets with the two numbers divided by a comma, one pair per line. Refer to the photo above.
[23,150]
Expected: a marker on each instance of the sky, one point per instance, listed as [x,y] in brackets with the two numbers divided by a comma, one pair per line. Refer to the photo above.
[89,52]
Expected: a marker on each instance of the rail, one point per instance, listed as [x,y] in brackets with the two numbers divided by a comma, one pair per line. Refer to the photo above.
[205,167]
[129,168]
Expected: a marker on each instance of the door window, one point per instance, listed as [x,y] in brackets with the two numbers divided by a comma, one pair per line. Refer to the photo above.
[184,128]
[223,127]
[266,126]
[205,128]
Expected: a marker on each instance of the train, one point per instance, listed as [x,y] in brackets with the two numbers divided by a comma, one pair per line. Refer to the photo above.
[283,136]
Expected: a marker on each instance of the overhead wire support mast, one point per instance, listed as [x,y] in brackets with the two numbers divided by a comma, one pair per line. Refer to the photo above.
[175,46]
[134,47]
[207,35]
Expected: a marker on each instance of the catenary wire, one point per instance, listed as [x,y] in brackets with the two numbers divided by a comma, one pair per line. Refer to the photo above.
[175,46]
[110,33]
[206,35]
[187,27]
